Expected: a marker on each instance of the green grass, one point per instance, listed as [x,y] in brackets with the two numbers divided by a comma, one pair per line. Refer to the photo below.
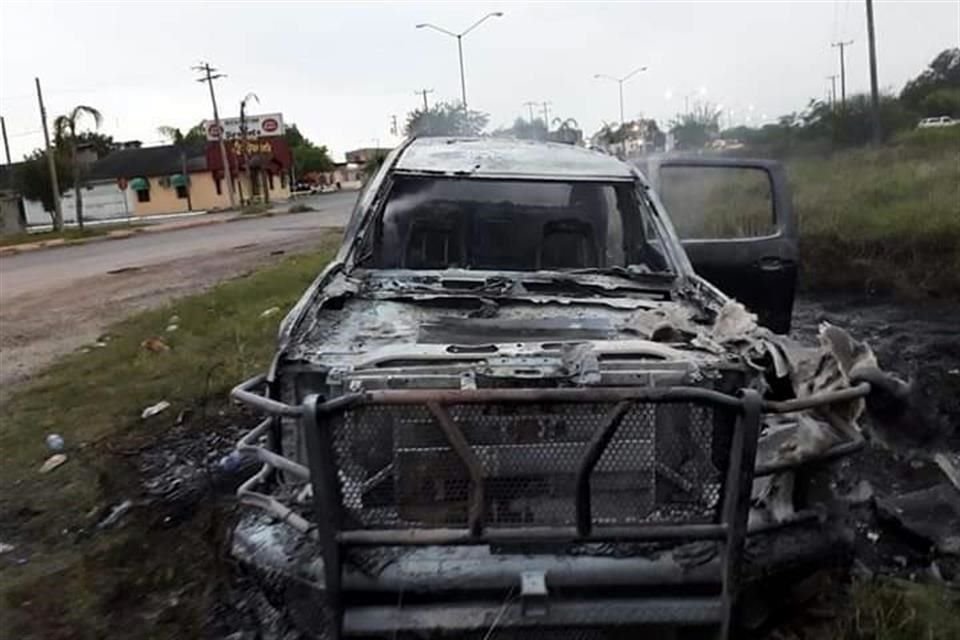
[94,398]
[67,234]
[883,219]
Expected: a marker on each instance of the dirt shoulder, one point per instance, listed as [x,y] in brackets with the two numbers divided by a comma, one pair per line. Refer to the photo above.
[37,327]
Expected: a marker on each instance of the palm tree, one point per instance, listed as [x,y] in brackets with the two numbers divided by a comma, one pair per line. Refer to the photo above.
[180,141]
[65,129]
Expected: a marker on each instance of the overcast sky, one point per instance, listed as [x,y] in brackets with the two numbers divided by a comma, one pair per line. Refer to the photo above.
[341,70]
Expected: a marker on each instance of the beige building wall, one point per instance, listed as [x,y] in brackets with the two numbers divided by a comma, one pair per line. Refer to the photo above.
[203,195]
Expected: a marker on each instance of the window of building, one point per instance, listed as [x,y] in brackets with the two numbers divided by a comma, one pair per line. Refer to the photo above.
[283,180]
[219,186]
[182,192]
[143,195]
[271,181]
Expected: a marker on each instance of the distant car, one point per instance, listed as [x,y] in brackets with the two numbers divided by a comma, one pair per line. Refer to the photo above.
[939,121]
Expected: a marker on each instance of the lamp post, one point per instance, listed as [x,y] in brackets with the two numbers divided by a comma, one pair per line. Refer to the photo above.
[620,81]
[459,37]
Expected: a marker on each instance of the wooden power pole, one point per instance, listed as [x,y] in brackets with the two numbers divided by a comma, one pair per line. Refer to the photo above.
[209,78]
[874,90]
[6,144]
[843,73]
[51,163]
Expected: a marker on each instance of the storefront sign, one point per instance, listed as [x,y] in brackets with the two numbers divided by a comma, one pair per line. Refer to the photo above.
[260,126]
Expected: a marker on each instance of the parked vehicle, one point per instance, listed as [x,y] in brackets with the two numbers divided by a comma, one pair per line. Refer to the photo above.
[939,121]
[516,400]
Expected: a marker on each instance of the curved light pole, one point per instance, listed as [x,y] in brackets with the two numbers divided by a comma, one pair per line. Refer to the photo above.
[243,142]
[459,37]
[620,81]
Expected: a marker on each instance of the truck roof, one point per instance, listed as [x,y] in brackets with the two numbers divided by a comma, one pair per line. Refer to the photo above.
[489,157]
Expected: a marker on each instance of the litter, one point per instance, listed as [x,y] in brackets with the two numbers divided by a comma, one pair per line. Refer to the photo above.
[171,328]
[6,548]
[154,409]
[269,312]
[155,344]
[115,514]
[53,462]
[55,442]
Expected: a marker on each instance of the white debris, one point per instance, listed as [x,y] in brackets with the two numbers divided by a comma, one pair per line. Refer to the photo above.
[269,312]
[6,548]
[55,442]
[873,536]
[154,409]
[171,328]
[174,320]
[115,514]
[99,344]
[53,462]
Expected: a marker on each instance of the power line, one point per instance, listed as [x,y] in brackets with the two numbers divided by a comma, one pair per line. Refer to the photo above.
[424,92]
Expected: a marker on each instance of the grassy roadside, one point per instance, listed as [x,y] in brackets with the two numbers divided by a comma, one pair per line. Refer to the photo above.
[65,578]
[67,235]
[882,220]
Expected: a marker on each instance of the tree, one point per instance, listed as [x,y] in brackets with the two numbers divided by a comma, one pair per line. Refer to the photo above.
[524,129]
[373,163]
[308,159]
[694,129]
[65,129]
[294,138]
[943,72]
[101,144]
[33,180]
[445,119]
[568,131]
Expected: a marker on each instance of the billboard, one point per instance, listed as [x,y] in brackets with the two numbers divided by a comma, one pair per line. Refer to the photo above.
[261,126]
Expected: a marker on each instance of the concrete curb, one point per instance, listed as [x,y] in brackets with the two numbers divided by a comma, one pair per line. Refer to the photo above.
[117,234]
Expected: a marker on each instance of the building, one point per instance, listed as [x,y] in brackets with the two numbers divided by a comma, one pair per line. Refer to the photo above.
[12,215]
[361,156]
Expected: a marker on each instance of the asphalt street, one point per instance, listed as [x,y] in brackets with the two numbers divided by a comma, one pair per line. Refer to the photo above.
[54,268]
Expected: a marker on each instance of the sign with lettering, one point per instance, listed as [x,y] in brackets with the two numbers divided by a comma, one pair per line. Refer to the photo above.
[259,126]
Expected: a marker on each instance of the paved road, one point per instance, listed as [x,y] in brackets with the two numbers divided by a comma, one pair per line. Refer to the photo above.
[54,268]
[54,301]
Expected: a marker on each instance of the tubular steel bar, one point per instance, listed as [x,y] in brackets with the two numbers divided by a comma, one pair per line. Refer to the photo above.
[736,503]
[598,444]
[327,505]
[483,396]
[839,451]
[646,533]
[244,393]
[462,448]
[811,402]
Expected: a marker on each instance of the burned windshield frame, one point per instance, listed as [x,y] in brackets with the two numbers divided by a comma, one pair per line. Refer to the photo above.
[563,225]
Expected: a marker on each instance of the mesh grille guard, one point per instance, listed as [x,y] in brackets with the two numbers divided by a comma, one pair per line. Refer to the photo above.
[489,466]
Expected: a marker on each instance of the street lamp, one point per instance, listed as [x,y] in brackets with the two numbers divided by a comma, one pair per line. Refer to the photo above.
[243,141]
[620,81]
[459,37]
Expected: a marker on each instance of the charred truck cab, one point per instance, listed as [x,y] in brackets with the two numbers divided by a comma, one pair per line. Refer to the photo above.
[511,405]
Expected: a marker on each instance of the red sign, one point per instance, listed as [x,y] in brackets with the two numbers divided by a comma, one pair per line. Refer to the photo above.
[122,183]
[269,125]
[270,153]
[213,131]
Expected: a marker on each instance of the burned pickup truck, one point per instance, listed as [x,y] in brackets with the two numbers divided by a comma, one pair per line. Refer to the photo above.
[514,403]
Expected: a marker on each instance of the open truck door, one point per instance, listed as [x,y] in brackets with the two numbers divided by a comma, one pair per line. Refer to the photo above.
[736,222]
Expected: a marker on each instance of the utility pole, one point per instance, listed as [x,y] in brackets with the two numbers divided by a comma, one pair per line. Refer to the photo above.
[51,162]
[424,93]
[6,145]
[833,91]
[874,90]
[530,104]
[546,115]
[393,126]
[209,78]
[843,73]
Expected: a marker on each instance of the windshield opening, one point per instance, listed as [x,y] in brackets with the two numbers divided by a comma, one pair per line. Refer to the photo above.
[516,225]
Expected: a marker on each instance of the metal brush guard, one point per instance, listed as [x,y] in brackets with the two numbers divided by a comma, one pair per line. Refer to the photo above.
[420,467]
